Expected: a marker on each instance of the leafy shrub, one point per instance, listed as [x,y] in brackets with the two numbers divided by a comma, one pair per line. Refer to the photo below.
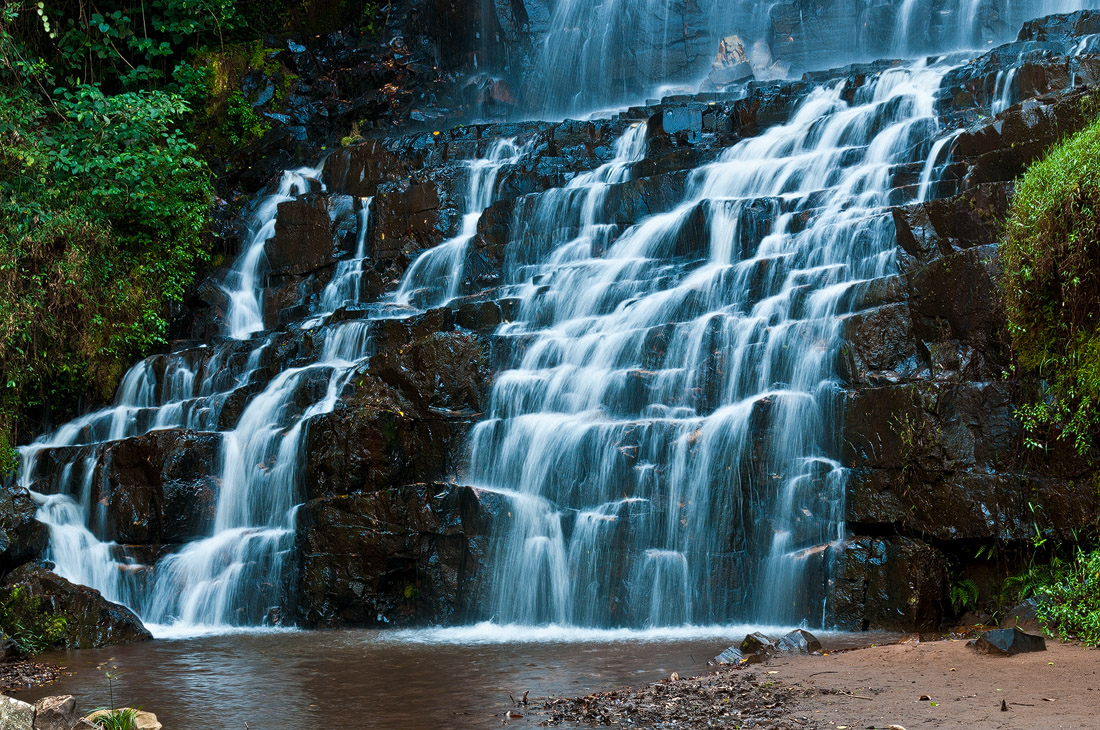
[1051,286]
[1072,606]
[23,619]
[104,209]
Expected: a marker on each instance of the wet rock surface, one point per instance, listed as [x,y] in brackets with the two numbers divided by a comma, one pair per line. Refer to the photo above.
[91,620]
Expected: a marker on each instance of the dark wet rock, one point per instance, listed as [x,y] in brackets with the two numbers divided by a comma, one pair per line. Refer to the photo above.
[310,232]
[91,620]
[731,655]
[22,537]
[396,556]
[1001,147]
[879,346]
[756,648]
[403,419]
[55,713]
[799,641]
[158,488]
[1062,27]
[359,170]
[887,583]
[1008,642]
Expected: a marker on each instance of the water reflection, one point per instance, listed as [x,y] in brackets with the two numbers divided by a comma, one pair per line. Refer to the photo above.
[453,678]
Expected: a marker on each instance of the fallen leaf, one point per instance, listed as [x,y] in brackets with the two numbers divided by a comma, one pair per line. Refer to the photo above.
[1049,699]
[952,669]
[923,698]
[773,672]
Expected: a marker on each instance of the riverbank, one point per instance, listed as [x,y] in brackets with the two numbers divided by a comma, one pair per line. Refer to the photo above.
[942,684]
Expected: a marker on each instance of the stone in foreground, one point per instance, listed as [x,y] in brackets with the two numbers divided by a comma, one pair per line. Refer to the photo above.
[1008,642]
[732,655]
[757,648]
[800,642]
[55,713]
[15,715]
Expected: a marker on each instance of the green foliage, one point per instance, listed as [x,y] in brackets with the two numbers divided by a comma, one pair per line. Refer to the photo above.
[104,208]
[244,124]
[23,619]
[964,595]
[124,719]
[1051,288]
[1071,609]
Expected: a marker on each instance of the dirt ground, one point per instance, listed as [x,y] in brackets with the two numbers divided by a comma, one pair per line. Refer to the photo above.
[914,684]
[884,685]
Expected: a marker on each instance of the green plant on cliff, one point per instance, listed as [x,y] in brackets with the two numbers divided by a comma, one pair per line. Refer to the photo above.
[24,620]
[1051,287]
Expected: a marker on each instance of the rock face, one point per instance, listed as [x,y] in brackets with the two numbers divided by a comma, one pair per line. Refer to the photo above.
[22,537]
[91,620]
[158,488]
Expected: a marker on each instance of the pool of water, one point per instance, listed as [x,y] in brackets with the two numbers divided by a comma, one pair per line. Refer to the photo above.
[409,680]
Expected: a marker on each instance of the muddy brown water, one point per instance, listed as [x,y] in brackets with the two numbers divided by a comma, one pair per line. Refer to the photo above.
[451,678]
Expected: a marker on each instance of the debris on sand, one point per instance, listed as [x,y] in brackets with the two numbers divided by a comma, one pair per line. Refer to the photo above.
[730,697]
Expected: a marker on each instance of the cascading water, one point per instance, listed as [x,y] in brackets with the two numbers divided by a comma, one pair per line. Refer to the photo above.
[230,577]
[605,54]
[663,434]
[233,576]
[435,277]
[664,429]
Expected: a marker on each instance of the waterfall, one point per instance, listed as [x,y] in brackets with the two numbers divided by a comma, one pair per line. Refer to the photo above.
[664,427]
[235,574]
[605,54]
[246,283]
[664,436]
[436,275]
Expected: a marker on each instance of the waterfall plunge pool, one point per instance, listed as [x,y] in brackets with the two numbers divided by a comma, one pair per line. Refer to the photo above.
[426,679]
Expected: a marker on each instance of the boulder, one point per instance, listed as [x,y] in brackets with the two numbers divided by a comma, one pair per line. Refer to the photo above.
[55,713]
[1008,642]
[15,714]
[161,487]
[732,655]
[310,232]
[894,583]
[399,555]
[1024,615]
[799,642]
[756,648]
[731,65]
[91,620]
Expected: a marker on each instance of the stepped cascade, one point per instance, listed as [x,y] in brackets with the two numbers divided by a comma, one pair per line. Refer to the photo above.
[663,432]
[669,307]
